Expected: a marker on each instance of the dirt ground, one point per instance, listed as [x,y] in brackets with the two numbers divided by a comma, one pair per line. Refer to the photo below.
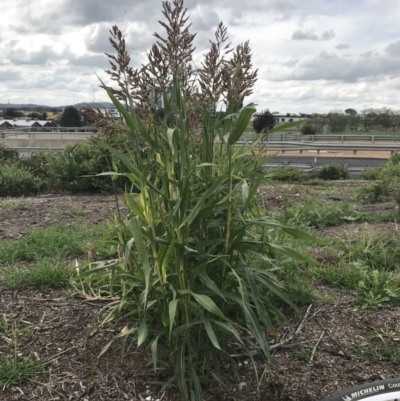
[19,216]
[320,359]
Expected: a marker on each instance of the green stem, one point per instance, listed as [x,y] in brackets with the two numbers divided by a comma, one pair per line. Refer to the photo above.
[228,223]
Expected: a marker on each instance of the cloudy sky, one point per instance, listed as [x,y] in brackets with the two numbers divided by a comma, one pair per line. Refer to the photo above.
[312,55]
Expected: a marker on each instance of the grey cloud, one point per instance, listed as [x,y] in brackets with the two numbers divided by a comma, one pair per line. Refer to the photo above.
[99,42]
[45,55]
[369,54]
[310,35]
[61,14]
[91,61]
[304,35]
[331,67]
[9,76]
[204,19]
[328,35]
[97,11]
[139,41]
[342,46]
[394,49]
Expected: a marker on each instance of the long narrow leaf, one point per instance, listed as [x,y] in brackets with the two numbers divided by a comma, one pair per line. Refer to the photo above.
[241,124]
[141,249]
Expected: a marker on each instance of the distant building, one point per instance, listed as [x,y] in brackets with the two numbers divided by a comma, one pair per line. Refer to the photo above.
[288,118]
[26,123]
[113,113]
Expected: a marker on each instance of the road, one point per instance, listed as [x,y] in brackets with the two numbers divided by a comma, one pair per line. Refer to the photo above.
[313,161]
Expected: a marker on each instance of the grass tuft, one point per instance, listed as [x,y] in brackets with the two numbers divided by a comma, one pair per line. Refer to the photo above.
[45,274]
[55,242]
[18,370]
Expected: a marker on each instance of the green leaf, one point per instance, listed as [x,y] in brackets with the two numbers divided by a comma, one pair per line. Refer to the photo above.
[206,280]
[180,368]
[207,303]
[172,312]
[167,259]
[293,254]
[245,191]
[210,332]
[141,249]
[143,331]
[170,136]
[198,394]
[154,355]
[241,124]
[255,328]
[135,206]
[131,122]
[197,208]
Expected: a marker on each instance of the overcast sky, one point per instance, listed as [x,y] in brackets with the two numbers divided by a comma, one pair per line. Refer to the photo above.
[312,55]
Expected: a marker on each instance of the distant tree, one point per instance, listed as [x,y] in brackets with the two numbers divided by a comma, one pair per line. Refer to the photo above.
[12,113]
[34,115]
[71,117]
[263,121]
[43,116]
[337,121]
[87,118]
[350,112]
[308,128]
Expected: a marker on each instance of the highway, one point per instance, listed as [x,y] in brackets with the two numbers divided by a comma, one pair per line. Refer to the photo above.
[354,164]
[313,161]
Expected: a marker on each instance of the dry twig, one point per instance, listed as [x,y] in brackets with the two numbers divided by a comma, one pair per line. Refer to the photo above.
[316,346]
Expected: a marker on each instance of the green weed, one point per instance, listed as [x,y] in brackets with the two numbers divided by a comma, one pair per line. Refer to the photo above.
[318,182]
[18,370]
[55,242]
[382,346]
[314,213]
[376,249]
[14,205]
[373,287]
[44,274]
[303,354]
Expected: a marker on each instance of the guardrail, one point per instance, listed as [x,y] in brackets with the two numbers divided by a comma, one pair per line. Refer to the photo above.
[27,151]
[331,146]
[23,133]
[49,129]
[299,138]
[354,171]
[354,164]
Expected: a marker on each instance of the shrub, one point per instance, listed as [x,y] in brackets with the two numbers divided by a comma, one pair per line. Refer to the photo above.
[390,169]
[333,172]
[397,199]
[308,129]
[285,174]
[376,192]
[263,121]
[77,167]
[15,181]
[8,155]
[37,164]
[371,173]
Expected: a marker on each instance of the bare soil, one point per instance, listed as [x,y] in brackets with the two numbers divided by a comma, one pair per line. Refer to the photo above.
[62,330]
[19,216]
